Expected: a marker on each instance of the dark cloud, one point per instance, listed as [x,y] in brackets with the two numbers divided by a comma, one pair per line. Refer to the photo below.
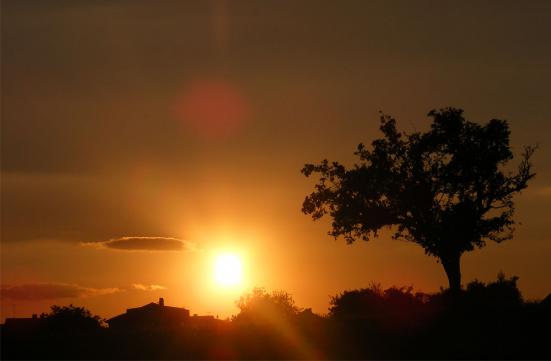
[46,291]
[148,244]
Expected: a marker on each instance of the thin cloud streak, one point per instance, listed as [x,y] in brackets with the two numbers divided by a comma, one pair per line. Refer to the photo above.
[47,291]
[142,287]
[145,244]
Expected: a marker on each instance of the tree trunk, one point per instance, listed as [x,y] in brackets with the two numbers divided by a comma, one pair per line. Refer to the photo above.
[452,267]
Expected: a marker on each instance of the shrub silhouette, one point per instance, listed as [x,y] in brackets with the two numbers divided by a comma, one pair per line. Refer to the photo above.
[502,294]
[374,304]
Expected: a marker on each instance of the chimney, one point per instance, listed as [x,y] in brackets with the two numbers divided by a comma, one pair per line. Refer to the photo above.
[161,301]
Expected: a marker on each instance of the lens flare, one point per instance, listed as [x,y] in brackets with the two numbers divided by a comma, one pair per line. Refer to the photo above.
[212,108]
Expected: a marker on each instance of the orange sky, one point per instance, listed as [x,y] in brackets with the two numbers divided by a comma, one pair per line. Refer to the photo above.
[192,120]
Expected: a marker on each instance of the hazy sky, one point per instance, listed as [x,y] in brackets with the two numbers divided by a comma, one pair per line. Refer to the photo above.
[190,121]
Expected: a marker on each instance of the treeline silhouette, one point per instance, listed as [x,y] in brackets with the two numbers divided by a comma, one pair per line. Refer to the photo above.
[482,321]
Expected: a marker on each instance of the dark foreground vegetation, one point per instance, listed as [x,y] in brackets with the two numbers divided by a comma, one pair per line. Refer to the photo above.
[480,322]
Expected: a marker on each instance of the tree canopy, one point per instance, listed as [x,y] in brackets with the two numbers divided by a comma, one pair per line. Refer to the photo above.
[261,305]
[445,189]
[72,319]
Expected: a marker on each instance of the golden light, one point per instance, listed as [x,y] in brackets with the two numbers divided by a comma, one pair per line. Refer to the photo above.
[228,270]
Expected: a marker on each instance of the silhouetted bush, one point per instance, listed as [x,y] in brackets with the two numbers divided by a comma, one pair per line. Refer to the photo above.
[546,302]
[502,294]
[374,304]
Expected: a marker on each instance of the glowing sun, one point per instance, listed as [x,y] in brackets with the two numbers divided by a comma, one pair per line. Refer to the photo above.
[228,270]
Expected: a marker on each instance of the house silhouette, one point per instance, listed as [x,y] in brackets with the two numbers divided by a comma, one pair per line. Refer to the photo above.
[22,325]
[150,317]
[157,316]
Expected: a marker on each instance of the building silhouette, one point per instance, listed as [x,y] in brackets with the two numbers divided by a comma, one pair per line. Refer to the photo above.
[22,325]
[153,316]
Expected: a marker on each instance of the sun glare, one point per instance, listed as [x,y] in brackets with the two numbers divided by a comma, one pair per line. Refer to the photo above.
[228,270]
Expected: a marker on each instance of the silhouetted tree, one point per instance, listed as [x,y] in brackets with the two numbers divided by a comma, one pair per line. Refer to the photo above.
[71,319]
[261,305]
[267,324]
[444,189]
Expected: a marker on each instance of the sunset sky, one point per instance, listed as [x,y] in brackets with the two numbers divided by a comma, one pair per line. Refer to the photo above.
[141,140]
